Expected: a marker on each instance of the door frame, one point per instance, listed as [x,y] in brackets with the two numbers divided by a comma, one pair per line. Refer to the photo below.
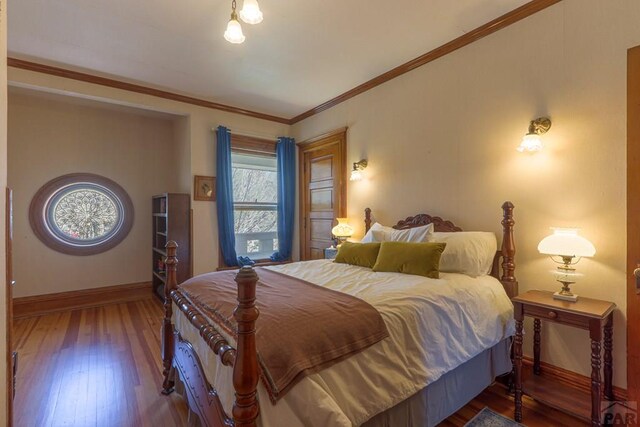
[339,137]
[9,303]
[633,222]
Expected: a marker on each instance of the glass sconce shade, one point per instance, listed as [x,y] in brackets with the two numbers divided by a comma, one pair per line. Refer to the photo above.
[234,31]
[251,13]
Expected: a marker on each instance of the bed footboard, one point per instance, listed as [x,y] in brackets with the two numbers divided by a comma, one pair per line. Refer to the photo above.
[179,357]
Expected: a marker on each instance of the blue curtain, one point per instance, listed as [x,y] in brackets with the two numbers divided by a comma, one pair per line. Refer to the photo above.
[286,160]
[224,195]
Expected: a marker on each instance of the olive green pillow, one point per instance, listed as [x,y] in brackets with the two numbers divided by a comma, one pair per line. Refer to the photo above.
[422,259]
[362,254]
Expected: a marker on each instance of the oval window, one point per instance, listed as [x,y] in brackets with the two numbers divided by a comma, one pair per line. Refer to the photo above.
[81,214]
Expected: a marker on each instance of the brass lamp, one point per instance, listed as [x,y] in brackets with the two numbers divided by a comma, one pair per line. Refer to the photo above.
[566,244]
[342,231]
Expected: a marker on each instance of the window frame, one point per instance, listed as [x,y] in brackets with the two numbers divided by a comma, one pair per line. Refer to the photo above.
[255,206]
[39,214]
[243,144]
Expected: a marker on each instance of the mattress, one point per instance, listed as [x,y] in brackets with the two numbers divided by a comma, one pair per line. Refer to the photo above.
[435,326]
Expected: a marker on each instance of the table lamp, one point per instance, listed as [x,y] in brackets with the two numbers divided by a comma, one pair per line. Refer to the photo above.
[566,244]
[342,231]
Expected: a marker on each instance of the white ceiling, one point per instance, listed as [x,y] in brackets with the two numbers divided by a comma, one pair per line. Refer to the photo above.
[304,53]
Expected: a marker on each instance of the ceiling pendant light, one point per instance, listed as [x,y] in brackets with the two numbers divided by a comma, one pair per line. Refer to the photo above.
[234,30]
[251,13]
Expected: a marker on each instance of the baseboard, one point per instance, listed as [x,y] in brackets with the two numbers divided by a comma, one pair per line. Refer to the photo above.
[570,378]
[62,301]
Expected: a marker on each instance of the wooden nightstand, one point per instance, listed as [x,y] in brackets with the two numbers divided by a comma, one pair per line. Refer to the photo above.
[590,314]
[330,253]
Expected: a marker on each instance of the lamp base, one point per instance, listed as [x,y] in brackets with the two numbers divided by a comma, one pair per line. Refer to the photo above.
[563,297]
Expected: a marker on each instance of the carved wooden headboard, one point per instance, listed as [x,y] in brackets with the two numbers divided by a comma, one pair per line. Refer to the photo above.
[505,256]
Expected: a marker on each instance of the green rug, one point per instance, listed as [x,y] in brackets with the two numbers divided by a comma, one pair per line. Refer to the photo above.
[488,418]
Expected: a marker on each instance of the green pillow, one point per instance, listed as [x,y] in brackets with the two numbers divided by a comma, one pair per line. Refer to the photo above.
[422,259]
[362,254]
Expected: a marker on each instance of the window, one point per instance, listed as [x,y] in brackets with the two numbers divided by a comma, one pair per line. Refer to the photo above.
[255,197]
[81,214]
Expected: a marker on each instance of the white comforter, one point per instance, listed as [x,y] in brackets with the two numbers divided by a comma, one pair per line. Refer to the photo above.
[434,326]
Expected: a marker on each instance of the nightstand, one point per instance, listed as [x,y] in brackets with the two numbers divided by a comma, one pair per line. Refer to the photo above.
[330,253]
[590,314]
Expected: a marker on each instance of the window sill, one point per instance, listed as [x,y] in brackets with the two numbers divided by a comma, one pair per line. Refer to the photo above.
[259,263]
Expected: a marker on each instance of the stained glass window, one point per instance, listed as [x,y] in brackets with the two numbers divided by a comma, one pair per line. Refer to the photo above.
[84,213]
[81,214]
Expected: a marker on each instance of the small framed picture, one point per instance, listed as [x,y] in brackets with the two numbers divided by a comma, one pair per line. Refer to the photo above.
[204,188]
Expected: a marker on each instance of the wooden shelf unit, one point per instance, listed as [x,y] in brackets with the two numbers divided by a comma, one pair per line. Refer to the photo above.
[171,221]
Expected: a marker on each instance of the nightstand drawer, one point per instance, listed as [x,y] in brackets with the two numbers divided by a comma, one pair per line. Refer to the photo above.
[556,316]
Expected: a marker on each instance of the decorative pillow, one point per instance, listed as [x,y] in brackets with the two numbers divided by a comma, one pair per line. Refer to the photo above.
[362,254]
[467,252]
[380,233]
[421,259]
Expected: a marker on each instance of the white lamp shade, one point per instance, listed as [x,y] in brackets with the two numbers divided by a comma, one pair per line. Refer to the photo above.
[251,13]
[566,242]
[234,32]
[343,229]
[530,143]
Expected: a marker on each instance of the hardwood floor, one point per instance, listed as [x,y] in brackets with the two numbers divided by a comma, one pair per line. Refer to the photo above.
[101,367]
[94,367]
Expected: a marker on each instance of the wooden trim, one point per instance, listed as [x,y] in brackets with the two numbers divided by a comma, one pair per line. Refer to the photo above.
[131,87]
[489,28]
[323,136]
[570,378]
[338,136]
[633,221]
[10,358]
[252,145]
[41,203]
[62,301]
[482,31]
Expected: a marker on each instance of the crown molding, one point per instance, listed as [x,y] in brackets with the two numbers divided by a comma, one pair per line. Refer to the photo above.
[489,28]
[499,23]
[131,87]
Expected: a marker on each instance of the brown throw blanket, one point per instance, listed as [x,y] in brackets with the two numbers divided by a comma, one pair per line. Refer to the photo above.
[303,328]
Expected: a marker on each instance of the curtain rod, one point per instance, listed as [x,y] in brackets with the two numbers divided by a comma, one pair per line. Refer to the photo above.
[252,134]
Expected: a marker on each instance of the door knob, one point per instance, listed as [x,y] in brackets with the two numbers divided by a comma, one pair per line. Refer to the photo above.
[636,274]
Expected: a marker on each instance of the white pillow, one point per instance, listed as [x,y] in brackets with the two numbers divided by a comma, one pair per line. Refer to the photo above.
[380,233]
[467,252]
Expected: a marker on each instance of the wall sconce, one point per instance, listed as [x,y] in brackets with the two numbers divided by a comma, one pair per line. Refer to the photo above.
[358,167]
[532,142]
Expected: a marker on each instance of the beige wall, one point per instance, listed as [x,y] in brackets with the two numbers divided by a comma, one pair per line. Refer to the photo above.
[53,135]
[3,184]
[193,133]
[442,139]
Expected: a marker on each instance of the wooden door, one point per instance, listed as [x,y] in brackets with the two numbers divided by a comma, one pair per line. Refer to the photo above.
[633,223]
[322,191]
[11,356]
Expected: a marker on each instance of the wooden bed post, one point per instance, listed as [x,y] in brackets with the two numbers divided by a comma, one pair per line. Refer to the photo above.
[508,278]
[367,219]
[245,369]
[171,264]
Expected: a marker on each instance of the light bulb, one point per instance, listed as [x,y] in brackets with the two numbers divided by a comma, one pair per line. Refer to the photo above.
[531,142]
[234,31]
[356,175]
[251,13]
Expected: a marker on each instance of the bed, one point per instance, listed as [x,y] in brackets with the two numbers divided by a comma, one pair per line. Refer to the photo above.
[419,375]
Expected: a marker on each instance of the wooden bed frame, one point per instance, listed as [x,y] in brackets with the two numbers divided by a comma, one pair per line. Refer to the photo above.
[180,358]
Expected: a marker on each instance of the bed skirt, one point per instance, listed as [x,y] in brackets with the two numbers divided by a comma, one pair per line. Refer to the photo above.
[439,399]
